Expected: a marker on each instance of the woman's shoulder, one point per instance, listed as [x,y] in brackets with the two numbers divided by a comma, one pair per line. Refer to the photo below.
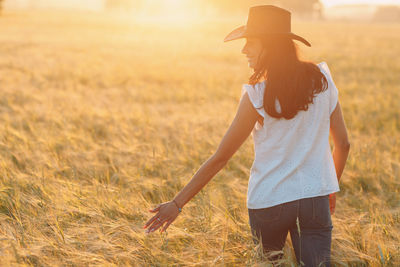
[255,92]
[259,84]
[258,87]
[323,66]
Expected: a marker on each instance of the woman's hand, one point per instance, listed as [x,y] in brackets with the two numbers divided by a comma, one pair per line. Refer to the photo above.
[332,202]
[167,213]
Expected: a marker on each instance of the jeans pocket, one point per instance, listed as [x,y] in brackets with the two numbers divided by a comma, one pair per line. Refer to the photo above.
[266,214]
[321,211]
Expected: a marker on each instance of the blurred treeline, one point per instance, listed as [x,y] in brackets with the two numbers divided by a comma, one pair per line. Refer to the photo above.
[298,8]
[387,13]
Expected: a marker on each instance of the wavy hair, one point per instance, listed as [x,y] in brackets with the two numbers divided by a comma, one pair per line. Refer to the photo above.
[291,81]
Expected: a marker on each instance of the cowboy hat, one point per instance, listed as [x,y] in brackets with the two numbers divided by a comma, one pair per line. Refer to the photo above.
[266,20]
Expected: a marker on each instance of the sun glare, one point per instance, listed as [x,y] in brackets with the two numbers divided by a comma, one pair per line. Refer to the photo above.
[173,4]
[168,11]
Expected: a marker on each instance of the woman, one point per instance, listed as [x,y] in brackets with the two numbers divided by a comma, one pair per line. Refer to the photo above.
[289,106]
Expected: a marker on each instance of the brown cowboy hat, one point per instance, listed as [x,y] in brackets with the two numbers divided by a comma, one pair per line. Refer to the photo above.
[266,20]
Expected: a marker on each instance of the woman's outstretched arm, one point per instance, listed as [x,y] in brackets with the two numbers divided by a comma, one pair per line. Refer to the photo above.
[240,128]
[236,134]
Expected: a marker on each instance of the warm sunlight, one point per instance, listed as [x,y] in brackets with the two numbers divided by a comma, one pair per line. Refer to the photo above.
[199,133]
[329,3]
[168,11]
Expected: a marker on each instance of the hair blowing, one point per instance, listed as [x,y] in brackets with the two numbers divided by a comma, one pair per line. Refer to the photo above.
[293,82]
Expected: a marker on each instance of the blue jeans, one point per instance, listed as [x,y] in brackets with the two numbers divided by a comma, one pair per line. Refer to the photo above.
[312,245]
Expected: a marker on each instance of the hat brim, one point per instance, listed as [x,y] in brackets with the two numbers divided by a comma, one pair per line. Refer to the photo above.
[237,33]
[241,32]
[299,38]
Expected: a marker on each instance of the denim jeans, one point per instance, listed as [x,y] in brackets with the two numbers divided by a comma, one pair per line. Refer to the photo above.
[312,245]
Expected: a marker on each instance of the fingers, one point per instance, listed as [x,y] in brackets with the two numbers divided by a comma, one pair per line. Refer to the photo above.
[151,220]
[154,217]
[166,226]
[156,208]
[165,211]
[155,226]
[332,209]
[332,203]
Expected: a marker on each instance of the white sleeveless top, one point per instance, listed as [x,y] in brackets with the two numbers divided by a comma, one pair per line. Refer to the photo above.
[293,159]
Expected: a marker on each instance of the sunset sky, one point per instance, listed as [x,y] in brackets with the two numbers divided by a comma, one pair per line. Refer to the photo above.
[329,3]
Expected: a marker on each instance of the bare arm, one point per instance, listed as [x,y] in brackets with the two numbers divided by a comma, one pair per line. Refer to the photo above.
[236,134]
[340,140]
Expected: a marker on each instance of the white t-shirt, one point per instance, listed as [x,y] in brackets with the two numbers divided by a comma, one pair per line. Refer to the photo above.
[293,159]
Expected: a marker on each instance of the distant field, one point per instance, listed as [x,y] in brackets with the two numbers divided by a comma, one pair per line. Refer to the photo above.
[102,118]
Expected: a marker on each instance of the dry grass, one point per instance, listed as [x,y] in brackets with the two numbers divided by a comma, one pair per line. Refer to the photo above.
[103,118]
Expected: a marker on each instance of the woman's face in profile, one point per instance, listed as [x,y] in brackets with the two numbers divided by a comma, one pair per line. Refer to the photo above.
[252,49]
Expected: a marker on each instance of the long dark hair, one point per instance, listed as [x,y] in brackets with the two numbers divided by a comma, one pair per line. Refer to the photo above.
[292,81]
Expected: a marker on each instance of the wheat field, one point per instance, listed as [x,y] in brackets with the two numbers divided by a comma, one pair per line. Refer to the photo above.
[103,117]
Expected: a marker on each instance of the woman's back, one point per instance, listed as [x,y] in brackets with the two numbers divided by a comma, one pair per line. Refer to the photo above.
[293,159]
